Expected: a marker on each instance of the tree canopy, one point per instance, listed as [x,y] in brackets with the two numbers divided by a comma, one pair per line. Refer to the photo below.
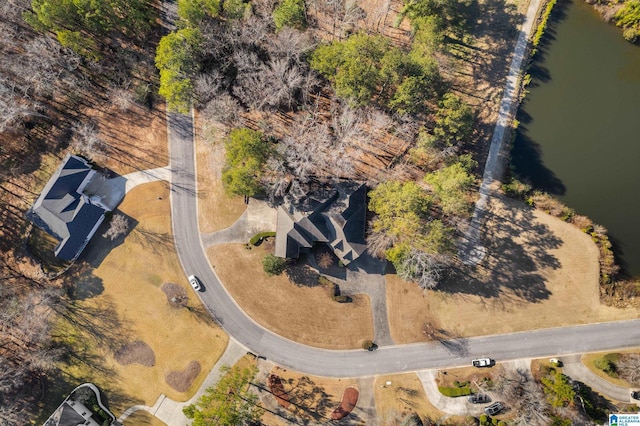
[247,153]
[229,403]
[82,24]
[177,60]
[290,13]
[194,11]
[454,120]
[364,67]
[628,17]
[449,186]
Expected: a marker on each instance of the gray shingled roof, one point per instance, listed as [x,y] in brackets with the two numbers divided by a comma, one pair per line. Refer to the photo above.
[338,221]
[64,212]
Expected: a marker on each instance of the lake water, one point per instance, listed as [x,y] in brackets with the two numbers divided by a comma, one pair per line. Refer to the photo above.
[579,136]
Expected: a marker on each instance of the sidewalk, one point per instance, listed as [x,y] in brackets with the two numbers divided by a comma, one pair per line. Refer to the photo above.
[170,411]
[472,252]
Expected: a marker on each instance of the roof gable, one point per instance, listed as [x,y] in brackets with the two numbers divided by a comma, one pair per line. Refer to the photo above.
[63,211]
[339,221]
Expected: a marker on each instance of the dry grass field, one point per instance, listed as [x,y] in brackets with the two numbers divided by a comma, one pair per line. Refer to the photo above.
[540,272]
[405,396]
[142,418]
[301,313]
[216,210]
[120,301]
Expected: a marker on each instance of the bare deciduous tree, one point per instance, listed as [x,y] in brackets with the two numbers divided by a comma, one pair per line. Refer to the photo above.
[378,243]
[86,140]
[424,268]
[325,259]
[525,396]
[629,368]
[122,97]
[119,225]
[224,109]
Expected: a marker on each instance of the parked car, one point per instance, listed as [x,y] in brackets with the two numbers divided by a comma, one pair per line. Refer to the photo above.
[635,395]
[195,282]
[494,408]
[482,362]
[556,361]
[479,398]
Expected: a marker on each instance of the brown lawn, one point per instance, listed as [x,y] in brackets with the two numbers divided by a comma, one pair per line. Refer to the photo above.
[121,301]
[304,314]
[449,377]
[540,272]
[403,397]
[142,418]
[589,359]
[216,210]
[135,139]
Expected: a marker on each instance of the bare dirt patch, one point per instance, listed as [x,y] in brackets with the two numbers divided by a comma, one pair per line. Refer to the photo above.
[301,313]
[137,352]
[176,295]
[182,380]
[277,389]
[348,403]
[539,272]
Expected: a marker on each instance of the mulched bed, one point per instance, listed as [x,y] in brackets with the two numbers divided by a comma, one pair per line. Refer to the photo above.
[349,400]
[182,380]
[176,295]
[277,389]
[137,352]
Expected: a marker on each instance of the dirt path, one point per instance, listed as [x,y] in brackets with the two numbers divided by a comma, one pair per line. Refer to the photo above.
[472,251]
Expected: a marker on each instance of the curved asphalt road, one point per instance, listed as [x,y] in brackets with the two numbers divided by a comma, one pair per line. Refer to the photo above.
[354,363]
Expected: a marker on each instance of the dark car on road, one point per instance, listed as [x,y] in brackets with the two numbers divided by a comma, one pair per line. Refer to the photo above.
[635,395]
[479,398]
[494,408]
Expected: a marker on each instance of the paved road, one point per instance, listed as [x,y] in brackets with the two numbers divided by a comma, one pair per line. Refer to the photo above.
[354,363]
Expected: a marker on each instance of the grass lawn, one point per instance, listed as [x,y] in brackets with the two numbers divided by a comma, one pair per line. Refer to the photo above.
[589,359]
[405,396]
[540,272]
[120,301]
[449,376]
[304,314]
[216,210]
[142,418]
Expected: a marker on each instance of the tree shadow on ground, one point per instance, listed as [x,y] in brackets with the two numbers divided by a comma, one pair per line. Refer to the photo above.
[86,285]
[100,246]
[518,251]
[301,273]
[154,242]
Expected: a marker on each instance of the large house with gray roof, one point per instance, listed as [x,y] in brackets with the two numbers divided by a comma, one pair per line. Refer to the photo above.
[336,218]
[73,204]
